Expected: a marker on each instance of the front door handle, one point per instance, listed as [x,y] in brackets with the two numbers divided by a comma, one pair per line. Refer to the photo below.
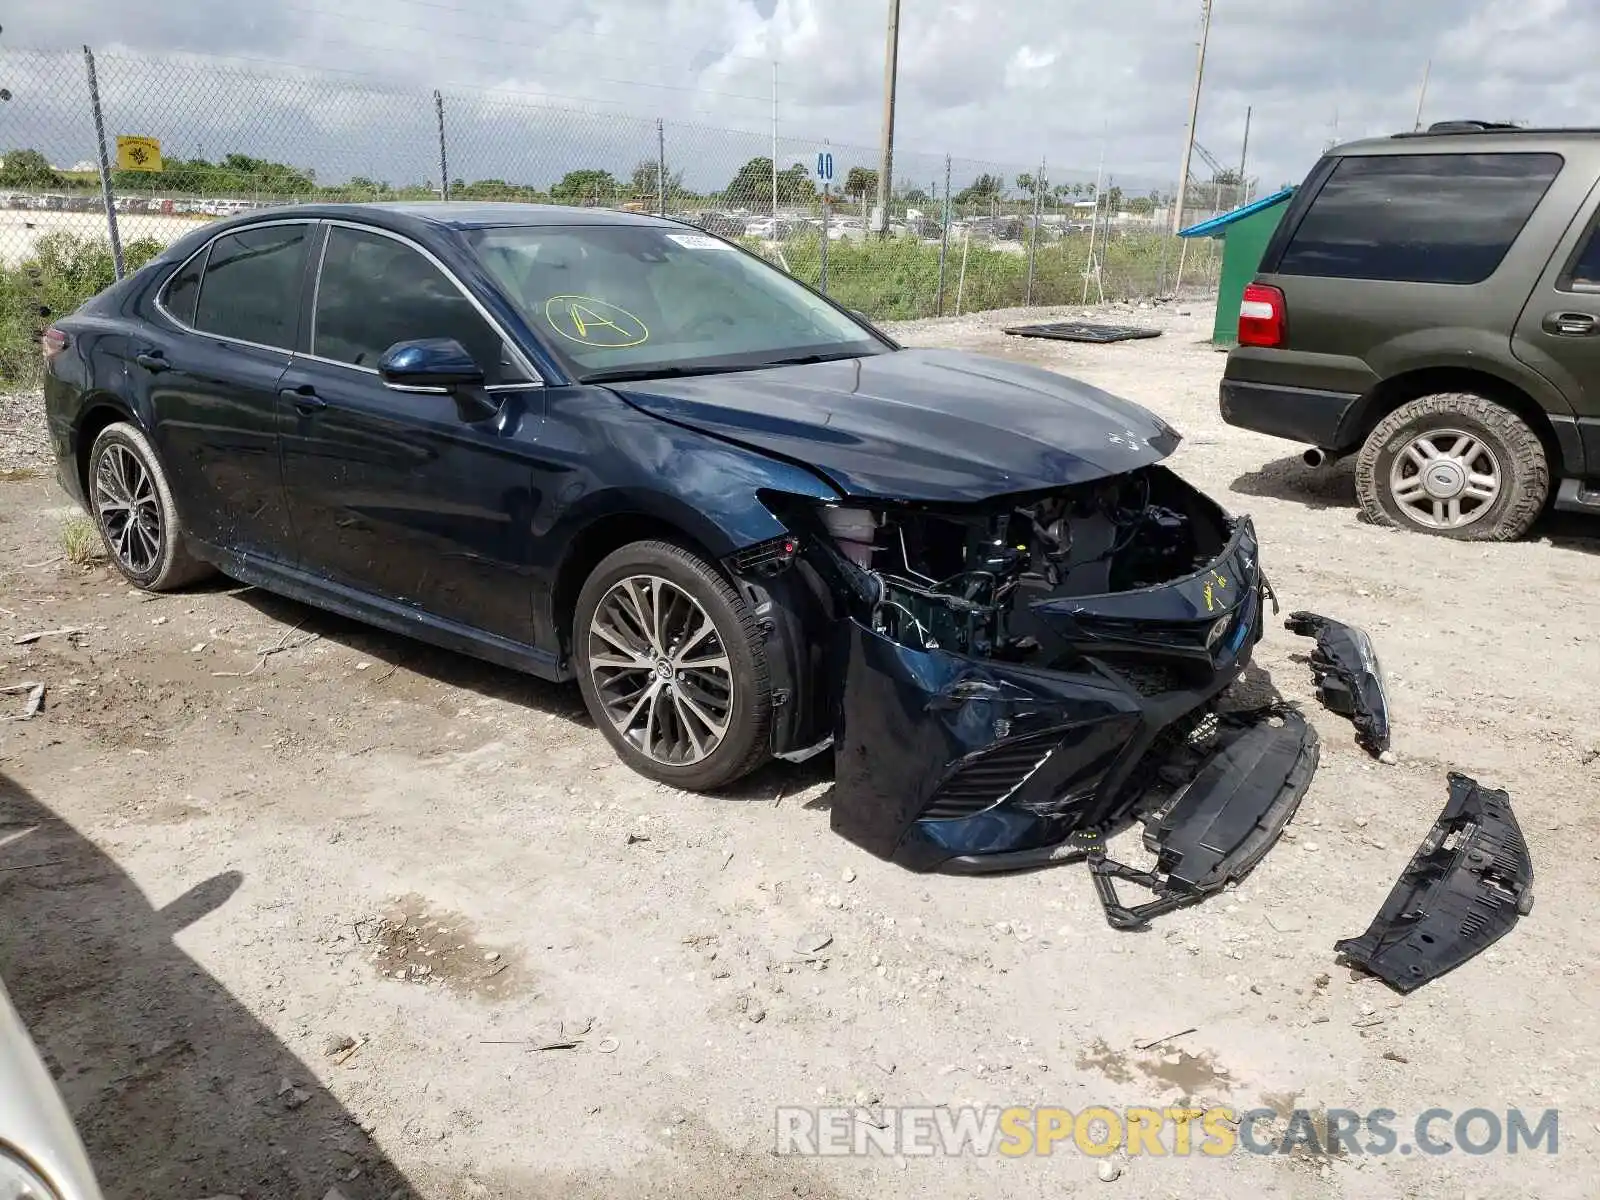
[305,399]
[1571,324]
[153,361]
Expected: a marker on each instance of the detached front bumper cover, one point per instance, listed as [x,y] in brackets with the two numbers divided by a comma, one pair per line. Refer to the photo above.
[1349,680]
[1462,891]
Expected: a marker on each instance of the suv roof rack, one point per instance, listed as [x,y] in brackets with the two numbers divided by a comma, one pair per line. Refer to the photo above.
[1473,126]
[1463,126]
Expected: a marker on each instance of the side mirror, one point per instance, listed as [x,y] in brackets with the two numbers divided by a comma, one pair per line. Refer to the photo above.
[437,366]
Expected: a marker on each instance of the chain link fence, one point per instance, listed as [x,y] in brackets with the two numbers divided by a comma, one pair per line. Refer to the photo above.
[961,235]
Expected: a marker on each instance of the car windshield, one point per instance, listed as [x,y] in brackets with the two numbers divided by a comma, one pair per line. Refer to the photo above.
[629,301]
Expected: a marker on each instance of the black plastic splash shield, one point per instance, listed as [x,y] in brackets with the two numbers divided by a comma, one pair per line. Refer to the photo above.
[1221,822]
[1349,681]
[1083,331]
[1461,892]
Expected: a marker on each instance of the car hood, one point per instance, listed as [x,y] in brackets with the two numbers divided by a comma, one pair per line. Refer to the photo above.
[929,425]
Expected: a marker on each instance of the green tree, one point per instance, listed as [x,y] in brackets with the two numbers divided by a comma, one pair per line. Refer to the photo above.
[643,181]
[589,186]
[861,181]
[982,190]
[752,184]
[235,174]
[28,169]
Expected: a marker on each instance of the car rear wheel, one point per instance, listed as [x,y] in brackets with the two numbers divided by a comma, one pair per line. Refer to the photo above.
[672,668]
[131,502]
[1456,465]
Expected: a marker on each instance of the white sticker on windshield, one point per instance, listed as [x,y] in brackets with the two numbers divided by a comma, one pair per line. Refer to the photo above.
[698,241]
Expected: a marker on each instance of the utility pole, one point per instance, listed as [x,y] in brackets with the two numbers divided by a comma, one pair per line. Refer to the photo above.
[774,138]
[1244,158]
[886,162]
[1194,114]
[1422,95]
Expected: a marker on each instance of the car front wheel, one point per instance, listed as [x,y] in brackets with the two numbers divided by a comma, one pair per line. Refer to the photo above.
[672,668]
[1456,465]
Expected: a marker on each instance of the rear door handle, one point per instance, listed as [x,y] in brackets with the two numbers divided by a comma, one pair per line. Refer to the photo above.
[1571,324]
[153,361]
[305,399]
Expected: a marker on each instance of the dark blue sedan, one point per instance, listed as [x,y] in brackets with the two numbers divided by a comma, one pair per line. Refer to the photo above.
[587,444]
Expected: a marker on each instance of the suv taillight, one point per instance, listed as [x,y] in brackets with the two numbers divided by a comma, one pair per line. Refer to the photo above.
[1261,315]
[52,342]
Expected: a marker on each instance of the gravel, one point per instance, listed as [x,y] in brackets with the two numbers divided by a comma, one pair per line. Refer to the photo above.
[24,443]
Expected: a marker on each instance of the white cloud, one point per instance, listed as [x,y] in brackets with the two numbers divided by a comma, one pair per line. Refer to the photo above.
[998,84]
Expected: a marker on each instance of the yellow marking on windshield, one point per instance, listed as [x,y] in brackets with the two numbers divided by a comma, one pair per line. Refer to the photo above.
[591,321]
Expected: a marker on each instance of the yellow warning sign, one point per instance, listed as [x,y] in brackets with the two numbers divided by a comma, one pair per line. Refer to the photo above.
[138,153]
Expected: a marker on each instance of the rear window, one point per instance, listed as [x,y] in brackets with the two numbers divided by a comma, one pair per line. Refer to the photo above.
[251,287]
[1419,218]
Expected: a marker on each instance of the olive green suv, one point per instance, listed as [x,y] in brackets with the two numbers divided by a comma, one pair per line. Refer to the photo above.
[1431,303]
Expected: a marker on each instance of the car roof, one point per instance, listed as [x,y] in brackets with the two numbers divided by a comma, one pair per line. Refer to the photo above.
[470,214]
[1471,137]
[419,217]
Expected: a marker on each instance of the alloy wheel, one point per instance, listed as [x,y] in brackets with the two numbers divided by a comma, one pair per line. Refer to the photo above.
[129,510]
[661,670]
[1445,479]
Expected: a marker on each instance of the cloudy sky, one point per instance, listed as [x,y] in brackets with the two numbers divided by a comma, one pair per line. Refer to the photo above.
[1004,82]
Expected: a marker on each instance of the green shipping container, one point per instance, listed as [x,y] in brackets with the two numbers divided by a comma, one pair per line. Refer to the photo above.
[1245,233]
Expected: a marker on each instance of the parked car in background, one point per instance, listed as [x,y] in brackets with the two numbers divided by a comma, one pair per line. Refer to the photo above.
[41,1156]
[606,447]
[1431,303]
[720,223]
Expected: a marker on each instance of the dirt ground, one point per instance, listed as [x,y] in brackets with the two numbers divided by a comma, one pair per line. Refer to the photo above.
[292,921]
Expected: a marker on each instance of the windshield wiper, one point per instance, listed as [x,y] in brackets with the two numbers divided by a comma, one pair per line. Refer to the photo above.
[801,360]
[623,374]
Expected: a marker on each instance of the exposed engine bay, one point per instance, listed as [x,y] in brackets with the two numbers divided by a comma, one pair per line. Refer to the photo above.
[965,580]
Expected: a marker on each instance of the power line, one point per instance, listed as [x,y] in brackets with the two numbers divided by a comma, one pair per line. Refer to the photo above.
[601,37]
[390,87]
[367,23]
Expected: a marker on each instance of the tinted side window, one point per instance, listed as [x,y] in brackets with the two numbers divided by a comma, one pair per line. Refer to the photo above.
[183,289]
[251,288]
[1424,218]
[375,291]
[1585,273]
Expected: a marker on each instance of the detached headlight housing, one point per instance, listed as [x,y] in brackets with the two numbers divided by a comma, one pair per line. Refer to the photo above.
[19,1180]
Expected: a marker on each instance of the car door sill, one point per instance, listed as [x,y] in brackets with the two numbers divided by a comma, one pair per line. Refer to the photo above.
[387,614]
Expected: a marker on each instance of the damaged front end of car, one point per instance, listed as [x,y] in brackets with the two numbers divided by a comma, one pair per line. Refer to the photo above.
[1014,680]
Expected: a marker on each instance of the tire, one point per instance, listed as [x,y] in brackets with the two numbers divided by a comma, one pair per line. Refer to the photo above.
[1468,443]
[146,546]
[617,670]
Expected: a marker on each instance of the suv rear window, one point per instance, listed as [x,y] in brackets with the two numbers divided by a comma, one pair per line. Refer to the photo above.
[1419,218]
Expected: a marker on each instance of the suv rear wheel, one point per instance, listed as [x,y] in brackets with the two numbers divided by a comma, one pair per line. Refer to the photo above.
[1456,465]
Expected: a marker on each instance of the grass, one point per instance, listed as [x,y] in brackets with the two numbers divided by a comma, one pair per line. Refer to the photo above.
[81,541]
[64,271]
[898,279]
